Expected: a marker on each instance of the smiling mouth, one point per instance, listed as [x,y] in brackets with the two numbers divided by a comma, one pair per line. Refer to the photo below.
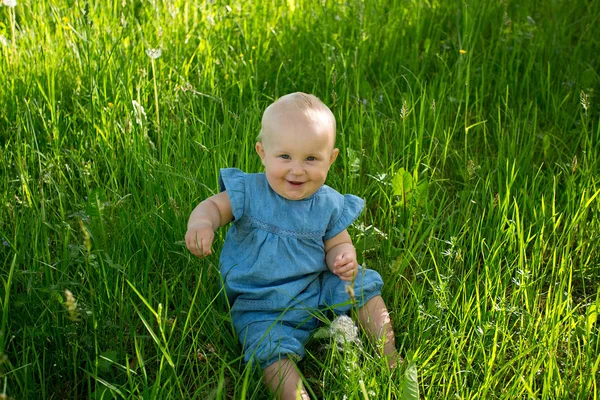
[294,183]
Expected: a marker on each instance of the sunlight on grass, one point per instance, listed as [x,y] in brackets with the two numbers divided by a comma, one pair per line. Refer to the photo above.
[471,129]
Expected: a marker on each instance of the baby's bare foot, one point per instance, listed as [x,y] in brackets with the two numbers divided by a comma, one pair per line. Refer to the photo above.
[394,359]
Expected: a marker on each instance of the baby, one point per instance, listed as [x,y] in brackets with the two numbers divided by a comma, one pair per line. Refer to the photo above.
[288,254]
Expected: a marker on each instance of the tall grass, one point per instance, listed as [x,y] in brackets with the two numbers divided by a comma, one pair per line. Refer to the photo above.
[470,128]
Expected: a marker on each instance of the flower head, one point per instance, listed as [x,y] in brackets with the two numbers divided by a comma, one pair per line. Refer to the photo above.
[9,3]
[154,53]
[343,330]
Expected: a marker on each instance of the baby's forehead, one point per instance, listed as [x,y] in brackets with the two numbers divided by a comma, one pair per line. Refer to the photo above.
[300,105]
[278,116]
[279,125]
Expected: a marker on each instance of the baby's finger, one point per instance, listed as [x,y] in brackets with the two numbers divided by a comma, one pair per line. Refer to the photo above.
[346,277]
[342,269]
[350,274]
[197,248]
[191,245]
[206,247]
[341,260]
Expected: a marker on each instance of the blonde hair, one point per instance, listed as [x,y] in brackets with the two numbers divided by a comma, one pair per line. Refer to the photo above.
[307,105]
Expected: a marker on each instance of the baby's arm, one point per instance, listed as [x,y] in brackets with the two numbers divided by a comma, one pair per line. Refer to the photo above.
[340,256]
[206,218]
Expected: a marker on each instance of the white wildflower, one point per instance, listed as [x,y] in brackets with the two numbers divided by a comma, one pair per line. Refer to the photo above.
[9,3]
[451,241]
[154,53]
[343,330]
[448,253]
[3,40]
[453,251]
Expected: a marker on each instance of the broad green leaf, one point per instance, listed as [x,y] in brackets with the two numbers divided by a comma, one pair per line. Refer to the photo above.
[405,186]
[421,192]
[107,359]
[367,238]
[402,184]
[353,160]
[410,383]
[322,333]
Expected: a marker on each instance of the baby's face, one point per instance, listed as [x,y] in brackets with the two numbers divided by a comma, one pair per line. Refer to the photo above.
[297,155]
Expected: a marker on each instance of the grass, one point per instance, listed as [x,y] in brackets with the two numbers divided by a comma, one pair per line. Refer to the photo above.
[470,128]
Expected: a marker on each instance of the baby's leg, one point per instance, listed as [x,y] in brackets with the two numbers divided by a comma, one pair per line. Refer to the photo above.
[283,379]
[375,319]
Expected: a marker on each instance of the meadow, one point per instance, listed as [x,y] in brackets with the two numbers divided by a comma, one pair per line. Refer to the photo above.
[470,128]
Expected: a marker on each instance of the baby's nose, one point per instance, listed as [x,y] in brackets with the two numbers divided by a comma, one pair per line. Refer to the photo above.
[297,169]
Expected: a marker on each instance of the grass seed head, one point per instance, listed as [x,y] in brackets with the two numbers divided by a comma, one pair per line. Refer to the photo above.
[584,99]
[87,241]
[71,305]
[404,111]
[350,290]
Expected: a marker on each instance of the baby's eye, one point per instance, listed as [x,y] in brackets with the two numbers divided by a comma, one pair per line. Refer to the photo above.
[311,158]
[285,156]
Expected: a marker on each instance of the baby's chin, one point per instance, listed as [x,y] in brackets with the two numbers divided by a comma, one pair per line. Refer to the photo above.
[292,197]
[294,192]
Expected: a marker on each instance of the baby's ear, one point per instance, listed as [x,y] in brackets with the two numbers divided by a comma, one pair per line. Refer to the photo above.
[334,154]
[261,151]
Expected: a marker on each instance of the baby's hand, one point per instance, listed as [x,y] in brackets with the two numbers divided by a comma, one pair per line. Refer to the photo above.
[345,266]
[198,240]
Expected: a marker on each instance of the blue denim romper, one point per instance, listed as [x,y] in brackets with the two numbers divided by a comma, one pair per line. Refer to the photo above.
[273,264]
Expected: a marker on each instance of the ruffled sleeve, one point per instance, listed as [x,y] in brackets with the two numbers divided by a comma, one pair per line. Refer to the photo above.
[233,180]
[347,211]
